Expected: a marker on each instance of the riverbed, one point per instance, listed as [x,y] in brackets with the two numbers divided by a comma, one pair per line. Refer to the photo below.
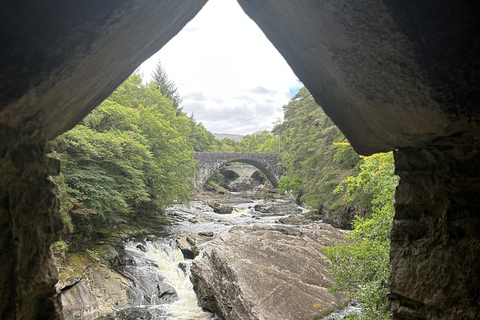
[161,261]
[158,273]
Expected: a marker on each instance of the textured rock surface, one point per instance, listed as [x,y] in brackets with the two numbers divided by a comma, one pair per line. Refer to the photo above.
[277,208]
[189,245]
[83,51]
[436,232]
[60,60]
[389,73]
[263,272]
[29,223]
[343,220]
[219,207]
[95,294]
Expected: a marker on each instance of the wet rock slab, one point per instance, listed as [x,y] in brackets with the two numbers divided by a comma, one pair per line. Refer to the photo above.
[95,294]
[267,272]
[277,208]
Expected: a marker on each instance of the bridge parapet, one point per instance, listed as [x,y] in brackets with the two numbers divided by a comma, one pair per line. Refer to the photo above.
[208,162]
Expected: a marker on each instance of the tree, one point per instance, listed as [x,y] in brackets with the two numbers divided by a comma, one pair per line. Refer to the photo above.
[314,165]
[200,137]
[263,142]
[131,154]
[225,145]
[166,86]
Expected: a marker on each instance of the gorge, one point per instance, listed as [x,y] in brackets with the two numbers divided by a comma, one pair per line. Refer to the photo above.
[396,75]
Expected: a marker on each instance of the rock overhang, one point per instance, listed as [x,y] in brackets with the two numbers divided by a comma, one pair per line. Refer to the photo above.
[396,74]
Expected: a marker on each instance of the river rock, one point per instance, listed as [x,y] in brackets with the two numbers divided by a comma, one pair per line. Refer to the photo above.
[297,219]
[151,237]
[219,207]
[187,250]
[189,244]
[243,184]
[277,208]
[267,272]
[208,234]
[196,239]
[95,294]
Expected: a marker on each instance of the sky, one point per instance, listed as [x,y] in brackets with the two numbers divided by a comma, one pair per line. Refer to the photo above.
[228,73]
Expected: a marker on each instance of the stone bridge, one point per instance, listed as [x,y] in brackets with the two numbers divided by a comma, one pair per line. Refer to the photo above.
[208,162]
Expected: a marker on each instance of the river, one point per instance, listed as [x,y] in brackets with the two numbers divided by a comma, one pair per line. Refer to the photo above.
[159,272]
[163,290]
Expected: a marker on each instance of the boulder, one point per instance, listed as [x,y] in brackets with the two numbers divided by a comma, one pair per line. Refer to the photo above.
[187,250]
[277,208]
[267,272]
[189,244]
[340,218]
[196,239]
[219,207]
[95,294]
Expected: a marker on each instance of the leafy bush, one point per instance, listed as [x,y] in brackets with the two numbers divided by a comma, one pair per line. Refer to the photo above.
[360,266]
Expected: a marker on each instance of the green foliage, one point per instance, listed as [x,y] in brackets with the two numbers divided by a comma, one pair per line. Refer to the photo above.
[166,86]
[317,156]
[225,145]
[93,253]
[201,138]
[360,266]
[59,247]
[264,142]
[131,154]
[65,201]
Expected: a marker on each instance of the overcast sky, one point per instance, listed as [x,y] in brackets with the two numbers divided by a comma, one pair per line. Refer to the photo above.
[227,72]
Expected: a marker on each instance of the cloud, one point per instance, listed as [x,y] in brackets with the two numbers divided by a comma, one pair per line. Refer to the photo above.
[227,72]
[197,96]
[194,105]
[262,90]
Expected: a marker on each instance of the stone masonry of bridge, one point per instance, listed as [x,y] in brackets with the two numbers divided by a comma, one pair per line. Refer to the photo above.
[208,162]
[245,171]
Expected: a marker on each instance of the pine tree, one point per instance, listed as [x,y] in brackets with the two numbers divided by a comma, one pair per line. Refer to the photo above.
[166,86]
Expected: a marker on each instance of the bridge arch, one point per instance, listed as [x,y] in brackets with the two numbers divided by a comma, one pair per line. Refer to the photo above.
[242,171]
[209,162]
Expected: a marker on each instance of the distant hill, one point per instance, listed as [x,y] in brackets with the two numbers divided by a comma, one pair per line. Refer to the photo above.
[236,137]
[220,136]
[258,132]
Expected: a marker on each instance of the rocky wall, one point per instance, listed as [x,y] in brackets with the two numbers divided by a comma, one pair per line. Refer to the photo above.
[391,74]
[435,251]
[59,60]
[30,222]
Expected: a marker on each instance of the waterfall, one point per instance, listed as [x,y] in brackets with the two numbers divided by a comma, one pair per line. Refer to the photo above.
[162,289]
